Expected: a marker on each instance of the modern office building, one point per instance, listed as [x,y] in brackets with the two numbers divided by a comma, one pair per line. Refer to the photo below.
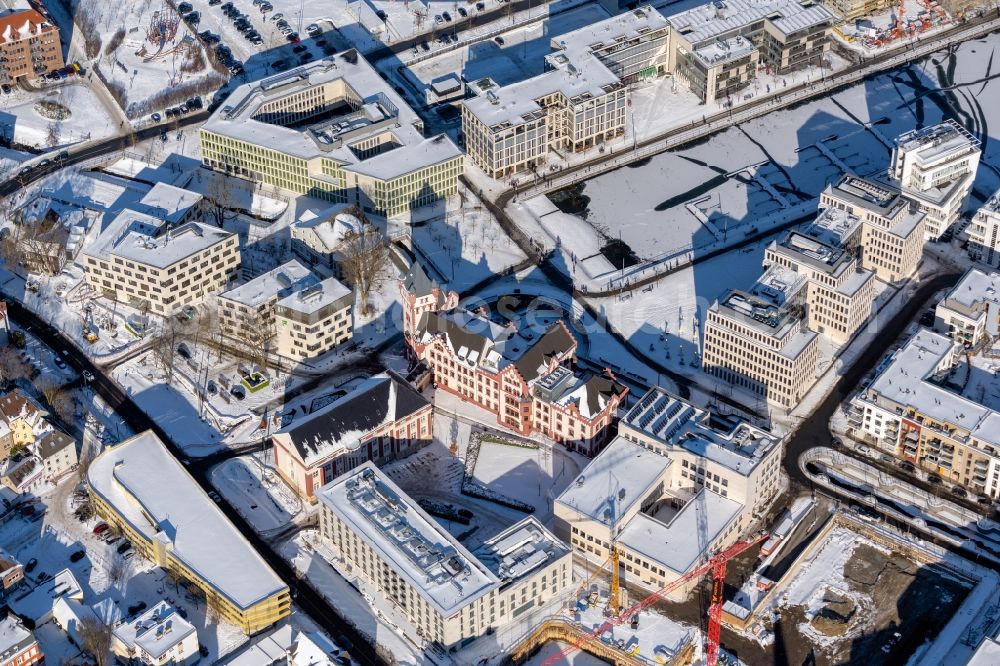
[580,101]
[970,313]
[251,304]
[138,259]
[315,319]
[522,376]
[984,232]
[378,421]
[891,227]
[717,47]
[332,129]
[839,292]
[29,45]
[936,166]
[676,485]
[759,340]
[451,595]
[138,487]
[916,408]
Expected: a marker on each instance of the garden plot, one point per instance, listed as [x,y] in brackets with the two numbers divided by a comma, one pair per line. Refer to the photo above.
[256,493]
[56,116]
[148,57]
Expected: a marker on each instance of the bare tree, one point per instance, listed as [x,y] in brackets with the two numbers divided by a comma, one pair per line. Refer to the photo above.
[366,255]
[255,340]
[165,343]
[118,568]
[220,202]
[12,366]
[96,638]
[52,135]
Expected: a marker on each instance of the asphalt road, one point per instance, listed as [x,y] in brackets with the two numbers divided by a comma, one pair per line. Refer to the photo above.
[308,599]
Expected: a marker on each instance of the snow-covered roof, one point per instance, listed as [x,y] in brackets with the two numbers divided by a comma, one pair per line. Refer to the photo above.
[22,25]
[680,544]
[912,379]
[607,33]
[973,291]
[881,199]
[169,203]
[343,424]
[521,549]
[277,282]
[675,423]
[284,644]
[935,143]
[419,550]
[359,106]
[126,222]
[313,298]
[38,605]
[172,247]
[621,475]
[14,638]
[325,231]
[723,18]
[150,490]
[156,631]
[70,614]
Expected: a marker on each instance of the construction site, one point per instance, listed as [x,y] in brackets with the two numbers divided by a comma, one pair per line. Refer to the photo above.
[825,585]
[873,25]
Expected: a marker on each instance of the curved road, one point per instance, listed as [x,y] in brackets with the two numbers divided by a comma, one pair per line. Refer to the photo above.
[305,596]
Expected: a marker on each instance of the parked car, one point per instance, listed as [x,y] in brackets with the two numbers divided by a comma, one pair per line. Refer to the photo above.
[30,566]
[480,6]
[212,3]
[101,528]
[958,491]
[215,496]
[313,29]
[462,12]
[438,18]
[156,117]
[498,39]
[77,556]
[446,16]
[184,7]
[381,14]
[124,547]
[934,478]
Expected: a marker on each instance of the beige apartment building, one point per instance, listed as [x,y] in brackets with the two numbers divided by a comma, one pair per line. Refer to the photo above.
[936,166]
[911,411]
[137,260]
[970,313]
[580,101]
[716,48]
[758,339]
[450,595]
[984,233]
[29,45]
[891,227]
[674,487]
[332,129]
[307,316]
[314,320]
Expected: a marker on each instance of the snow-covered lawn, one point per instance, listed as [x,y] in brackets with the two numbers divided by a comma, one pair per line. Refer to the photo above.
[256,492]
[522,473]
[87,118]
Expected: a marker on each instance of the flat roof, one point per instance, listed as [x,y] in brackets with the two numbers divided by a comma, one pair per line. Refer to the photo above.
[521,549]
[382,110]
[676,423]
[610,31]
[679,544]
[975,287]
[622,474]
[314,297]
[718,18]
[934,143]
[169,202]
[155,631]
[153,492]
[285,279]
[432,561]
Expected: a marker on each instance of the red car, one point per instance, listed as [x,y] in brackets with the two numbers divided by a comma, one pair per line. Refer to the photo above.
[101,528]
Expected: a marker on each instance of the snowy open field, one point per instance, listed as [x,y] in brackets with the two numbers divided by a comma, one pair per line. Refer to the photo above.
[87,118]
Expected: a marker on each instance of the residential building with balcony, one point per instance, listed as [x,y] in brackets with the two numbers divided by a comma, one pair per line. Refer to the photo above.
[450,594]
[677,485]
[139,488]
[716,48]
[29,45]
[138,259]
[380,420]
[759,339]
[891,230]
[936,166]
[970,312]
[984,233]
[332,129]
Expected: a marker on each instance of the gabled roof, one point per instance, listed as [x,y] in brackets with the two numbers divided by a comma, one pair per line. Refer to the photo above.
[15,404]
[22,25]
[342,425]
[52,443]
[552,346]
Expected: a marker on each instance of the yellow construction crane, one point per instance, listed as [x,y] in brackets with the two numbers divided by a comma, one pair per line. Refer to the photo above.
[615,602]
